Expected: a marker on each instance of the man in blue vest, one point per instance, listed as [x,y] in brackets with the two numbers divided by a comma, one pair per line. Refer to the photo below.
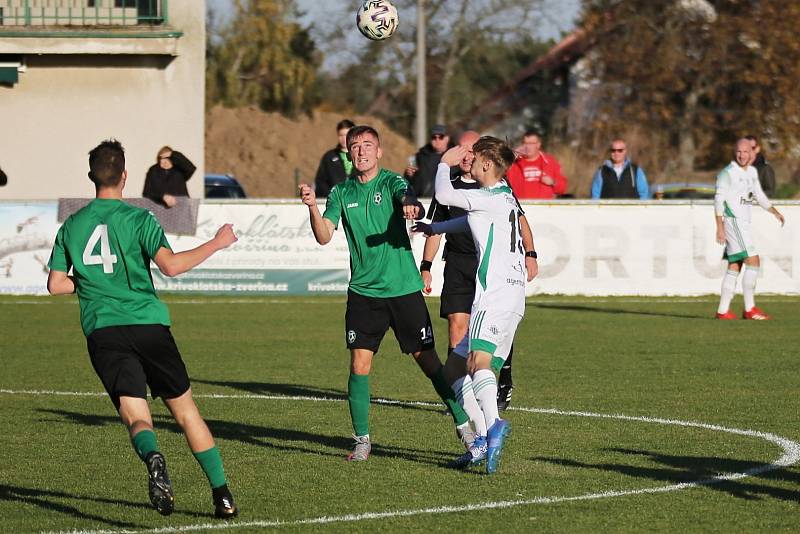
[619,177]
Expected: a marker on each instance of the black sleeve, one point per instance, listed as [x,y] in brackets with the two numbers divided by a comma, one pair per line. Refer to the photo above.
[767,179]
[152,188]
[322,182]
[183,164]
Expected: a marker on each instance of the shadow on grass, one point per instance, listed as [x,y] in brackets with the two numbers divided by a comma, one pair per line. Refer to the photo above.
[281,439]
[294,390]
[48,500]
[618,311]
[684,469]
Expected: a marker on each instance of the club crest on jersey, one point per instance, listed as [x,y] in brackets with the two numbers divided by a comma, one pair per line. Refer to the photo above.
[378,198]
[351,336]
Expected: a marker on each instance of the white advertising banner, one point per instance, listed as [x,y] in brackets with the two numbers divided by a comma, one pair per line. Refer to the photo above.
[584,249]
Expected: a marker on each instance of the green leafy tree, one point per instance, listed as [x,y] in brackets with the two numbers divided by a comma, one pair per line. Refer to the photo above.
[263,58]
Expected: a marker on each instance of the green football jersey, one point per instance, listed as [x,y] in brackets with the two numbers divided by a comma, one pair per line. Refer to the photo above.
[109,244]
[381,262]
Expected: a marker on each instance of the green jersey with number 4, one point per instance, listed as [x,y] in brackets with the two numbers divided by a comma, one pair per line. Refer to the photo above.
[381,262]
[108,245]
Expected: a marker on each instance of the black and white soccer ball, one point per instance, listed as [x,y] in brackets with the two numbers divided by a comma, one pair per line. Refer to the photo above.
[377,19]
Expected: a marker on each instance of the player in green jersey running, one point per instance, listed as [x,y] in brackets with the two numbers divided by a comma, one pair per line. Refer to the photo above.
[108,246]
[384,285]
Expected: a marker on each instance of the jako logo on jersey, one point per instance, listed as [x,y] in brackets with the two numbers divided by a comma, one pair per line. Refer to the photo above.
[378,198]
[353,205]
[351,336]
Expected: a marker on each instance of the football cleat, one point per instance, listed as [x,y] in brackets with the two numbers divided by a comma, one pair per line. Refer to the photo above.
[497,436]
[224,507]
[160,487]
[466,435]
[474,456]
[755,314]
[361,450]
[728,315]
[504,396]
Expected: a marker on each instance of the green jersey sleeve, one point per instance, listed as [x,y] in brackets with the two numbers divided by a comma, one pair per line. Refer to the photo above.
[59,257]
[333,206]
[152,236]
[399,187]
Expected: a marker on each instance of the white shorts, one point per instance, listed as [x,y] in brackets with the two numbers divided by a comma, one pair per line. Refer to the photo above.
[490,331]
[739,242]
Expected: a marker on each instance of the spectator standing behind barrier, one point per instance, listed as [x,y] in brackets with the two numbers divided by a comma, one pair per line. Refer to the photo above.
[422,174]
[536,174]
[167,178]
[335,166]
[619,177]
[766,174]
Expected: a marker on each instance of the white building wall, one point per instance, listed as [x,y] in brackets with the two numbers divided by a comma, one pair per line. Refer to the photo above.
[75,92]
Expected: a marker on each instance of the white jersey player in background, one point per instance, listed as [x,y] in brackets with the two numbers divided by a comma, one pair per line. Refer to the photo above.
[493,219]
[738,189]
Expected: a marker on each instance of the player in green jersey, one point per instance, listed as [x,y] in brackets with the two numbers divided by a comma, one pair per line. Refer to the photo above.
[384,285]
[108,246]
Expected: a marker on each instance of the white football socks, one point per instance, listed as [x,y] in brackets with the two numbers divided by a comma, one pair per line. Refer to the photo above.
[728,290]
[484,384]
[749,286]
[465,395]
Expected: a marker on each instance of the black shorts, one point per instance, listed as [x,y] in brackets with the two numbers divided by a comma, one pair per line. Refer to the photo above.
[368,318]
[129,358]
[458,290]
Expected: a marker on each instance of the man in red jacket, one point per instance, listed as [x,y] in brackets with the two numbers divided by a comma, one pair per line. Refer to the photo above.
[536,174]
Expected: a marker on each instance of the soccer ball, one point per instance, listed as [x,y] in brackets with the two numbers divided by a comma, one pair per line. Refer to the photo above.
[377,19]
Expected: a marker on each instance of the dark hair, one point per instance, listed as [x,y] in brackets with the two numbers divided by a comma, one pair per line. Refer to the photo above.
[344,123]
[496,151]
[357,131]
[529,133]
[107,163]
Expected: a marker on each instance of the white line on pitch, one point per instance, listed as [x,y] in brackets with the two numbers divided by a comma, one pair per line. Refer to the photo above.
[791,455]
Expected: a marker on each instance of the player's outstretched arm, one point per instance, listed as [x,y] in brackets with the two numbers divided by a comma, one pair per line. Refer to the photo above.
[172,264]
[321,227]
[60,283]
[531,264]
[778,215]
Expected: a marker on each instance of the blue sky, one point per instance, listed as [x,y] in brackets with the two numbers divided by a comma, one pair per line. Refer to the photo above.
[563,13]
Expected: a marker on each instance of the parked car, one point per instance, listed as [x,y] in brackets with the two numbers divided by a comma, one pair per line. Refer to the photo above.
[676,191]
[223,186]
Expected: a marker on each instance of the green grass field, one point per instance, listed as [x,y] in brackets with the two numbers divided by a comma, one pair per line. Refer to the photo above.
[67,464]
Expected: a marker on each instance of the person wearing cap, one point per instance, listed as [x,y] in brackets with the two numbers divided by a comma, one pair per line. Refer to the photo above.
[422,174]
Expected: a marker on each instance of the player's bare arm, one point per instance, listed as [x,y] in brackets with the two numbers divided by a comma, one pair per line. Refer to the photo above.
[428,254]
[173,264]
[531,264]
[720,230]
[60,283]
[778,215]
[321,227]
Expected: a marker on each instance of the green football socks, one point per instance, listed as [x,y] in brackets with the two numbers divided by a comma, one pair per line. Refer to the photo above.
[211,463]
[446,393]
[358,399]
[144,442]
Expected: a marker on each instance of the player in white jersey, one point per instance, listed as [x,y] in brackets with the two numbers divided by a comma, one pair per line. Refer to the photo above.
[738,189]
[499,304]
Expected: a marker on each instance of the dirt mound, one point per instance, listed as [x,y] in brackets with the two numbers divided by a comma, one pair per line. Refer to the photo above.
[269,153]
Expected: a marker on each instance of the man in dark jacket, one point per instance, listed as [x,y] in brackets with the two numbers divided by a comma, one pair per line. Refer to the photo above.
[335,166]
[167,178]
[766,174]
[421,175]
[619,177]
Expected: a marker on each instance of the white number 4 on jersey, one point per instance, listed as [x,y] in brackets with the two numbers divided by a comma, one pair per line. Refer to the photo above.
[106,258]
